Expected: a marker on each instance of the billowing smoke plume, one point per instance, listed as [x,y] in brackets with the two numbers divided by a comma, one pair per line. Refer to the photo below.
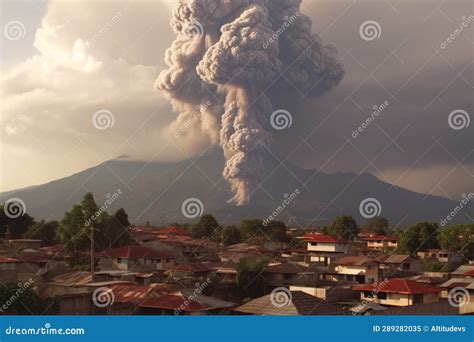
[230,58]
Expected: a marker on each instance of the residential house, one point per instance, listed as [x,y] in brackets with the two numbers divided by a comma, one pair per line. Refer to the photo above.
[184,302]
[398,292]
[291,303]
[397,265]
[323,249]
[135,258]
[441,255]
[239,251]
[359,269]
[381,242]
[289,273]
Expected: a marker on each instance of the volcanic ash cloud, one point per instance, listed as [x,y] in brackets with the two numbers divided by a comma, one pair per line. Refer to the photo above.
[230,58]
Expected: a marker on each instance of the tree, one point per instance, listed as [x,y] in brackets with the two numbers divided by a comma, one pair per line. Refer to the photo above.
[378,225]
[24,300]
[17,226]
[44,231]
[277,231]
[72,231]
[122,218]
[344,227]
[249,276]
[459,238]
[421,236]
[206,227]
[251,228]
[231,235]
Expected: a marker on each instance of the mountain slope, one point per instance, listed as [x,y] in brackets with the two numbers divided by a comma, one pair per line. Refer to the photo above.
[155,191]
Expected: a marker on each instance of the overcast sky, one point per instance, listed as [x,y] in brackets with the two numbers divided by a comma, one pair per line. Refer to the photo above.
[63,61]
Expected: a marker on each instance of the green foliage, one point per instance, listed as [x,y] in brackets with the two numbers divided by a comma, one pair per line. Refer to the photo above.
[276,231]
[231,235]
[16,226]
[344,227]
[251,228]
[207,227]
[109,231]
[250,280]
[24,301]
[459,238]
[378,225]
[433,265]
[421,236]
[44,231]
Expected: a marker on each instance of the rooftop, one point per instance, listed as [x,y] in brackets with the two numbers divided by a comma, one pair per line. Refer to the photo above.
[315,237]
[398,285]
[134,252]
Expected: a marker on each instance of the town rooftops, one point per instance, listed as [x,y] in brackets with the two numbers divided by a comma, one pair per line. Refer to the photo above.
[393,258]
[4,260]
[134,252]
[171,231]
[355,261]
[181,301]
[315,237]
[467,283]
[287,268]
[191,268]
[132,293]
[398,285]
[297,303]
[464,270]
[380,238]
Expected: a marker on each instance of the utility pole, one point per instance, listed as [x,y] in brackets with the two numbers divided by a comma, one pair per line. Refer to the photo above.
[92,252]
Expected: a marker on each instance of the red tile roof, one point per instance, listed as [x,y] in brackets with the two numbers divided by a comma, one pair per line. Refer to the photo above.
[134,252]
[8,260]
[315,237]
[397,285]
[380,238]
[171,231]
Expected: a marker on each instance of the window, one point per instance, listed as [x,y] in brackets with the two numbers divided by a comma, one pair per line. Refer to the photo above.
[406,266]
[382,295]
[313,243]
[119,260]
[367,294]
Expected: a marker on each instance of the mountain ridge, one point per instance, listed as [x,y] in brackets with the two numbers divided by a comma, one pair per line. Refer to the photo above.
[155,191]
